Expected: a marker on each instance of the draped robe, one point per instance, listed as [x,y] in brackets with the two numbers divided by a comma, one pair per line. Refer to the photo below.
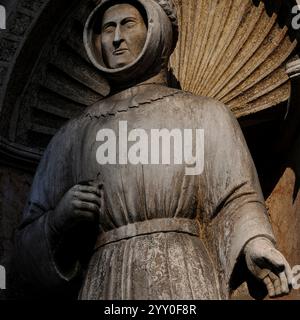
[225,200]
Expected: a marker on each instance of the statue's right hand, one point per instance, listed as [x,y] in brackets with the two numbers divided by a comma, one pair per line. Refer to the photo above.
[81,203]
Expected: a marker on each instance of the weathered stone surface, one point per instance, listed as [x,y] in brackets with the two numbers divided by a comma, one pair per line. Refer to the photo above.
[32,5]
[14,189]
[20,24]
[3,71]
[8,49]
[284,208]
[275,88]
[284,201]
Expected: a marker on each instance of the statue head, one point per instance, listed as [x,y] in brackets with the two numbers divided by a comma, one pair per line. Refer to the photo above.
[123,35]
[130,41]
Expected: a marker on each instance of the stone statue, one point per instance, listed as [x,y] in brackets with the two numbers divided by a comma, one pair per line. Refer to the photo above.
[138,230]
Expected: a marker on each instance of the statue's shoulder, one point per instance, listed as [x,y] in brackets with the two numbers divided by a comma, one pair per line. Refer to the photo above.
[68,133]
[203,103]
[206,110]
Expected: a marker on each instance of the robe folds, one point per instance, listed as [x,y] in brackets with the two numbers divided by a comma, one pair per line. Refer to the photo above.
[225,201]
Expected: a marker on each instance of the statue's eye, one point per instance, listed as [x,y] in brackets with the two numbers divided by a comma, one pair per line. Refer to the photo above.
[109,29]
[129,23]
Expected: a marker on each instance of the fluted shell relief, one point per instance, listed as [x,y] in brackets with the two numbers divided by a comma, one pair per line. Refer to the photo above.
[233,51]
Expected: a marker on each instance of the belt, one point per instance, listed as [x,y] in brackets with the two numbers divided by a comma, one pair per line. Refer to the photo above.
[179,225]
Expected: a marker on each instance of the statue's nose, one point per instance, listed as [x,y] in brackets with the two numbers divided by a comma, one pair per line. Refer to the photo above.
[118,37]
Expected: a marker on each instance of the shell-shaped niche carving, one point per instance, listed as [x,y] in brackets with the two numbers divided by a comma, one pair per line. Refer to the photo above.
[233,51]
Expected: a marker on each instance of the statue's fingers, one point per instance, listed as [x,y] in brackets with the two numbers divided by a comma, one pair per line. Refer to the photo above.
[284,283]
[270,286]
[275,261]
[280,265]
[96,183]
[276,283]
[89,189]
[262,273]
[86,206]
[88,197]
[289,274]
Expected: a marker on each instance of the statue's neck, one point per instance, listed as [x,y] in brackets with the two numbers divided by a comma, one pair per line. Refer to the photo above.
[160,78]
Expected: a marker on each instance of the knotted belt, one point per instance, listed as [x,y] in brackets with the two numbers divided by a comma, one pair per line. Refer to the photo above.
[179,225]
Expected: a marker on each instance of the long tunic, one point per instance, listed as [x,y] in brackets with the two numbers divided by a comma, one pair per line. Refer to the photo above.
[225,200]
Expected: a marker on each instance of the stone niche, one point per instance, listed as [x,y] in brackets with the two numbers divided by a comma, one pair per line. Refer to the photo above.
[235,51]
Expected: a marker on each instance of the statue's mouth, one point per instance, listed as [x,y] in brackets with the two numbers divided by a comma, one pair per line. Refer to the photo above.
[119,52]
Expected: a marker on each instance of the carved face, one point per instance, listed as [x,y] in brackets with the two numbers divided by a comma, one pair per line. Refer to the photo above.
[123,35]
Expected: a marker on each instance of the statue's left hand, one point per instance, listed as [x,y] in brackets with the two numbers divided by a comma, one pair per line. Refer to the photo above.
[266,263]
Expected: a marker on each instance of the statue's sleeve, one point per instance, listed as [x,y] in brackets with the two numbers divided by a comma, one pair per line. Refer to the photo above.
[231,198]
[35,248]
